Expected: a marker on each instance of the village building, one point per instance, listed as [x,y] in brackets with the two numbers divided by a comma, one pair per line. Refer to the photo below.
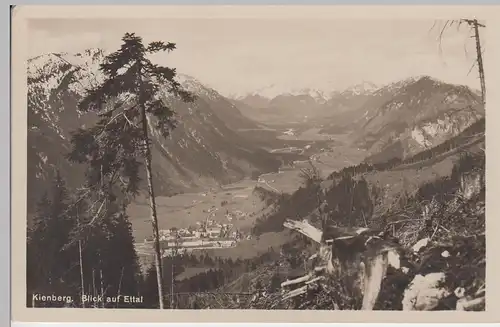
[214,232]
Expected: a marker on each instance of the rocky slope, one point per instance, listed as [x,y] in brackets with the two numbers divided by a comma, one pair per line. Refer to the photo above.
[403,118]
[222,107]
[205,149]
[413,115]
[393,121]
[363,194]
[428,211]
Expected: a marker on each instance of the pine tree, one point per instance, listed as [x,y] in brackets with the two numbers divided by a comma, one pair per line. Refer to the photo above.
[131,98]
[52,266]
[150,286]
[37,270]
[106,253]
[116,256]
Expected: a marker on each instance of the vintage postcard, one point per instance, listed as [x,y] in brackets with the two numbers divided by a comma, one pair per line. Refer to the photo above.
[254,163]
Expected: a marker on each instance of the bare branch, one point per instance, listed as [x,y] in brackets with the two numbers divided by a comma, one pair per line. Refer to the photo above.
[299,280]
[472,67]
[128,120]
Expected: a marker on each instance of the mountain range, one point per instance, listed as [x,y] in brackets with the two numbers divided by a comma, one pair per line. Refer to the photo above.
[393,121]
[220,140]
[297,104]
[204,150]
[404,118]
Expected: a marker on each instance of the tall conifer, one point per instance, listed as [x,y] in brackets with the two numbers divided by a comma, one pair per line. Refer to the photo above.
[129,101]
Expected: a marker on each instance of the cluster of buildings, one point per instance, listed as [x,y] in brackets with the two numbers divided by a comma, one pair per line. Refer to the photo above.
[206,235]
[204,230]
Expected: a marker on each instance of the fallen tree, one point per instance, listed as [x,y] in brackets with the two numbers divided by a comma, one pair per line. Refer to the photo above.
[372,265]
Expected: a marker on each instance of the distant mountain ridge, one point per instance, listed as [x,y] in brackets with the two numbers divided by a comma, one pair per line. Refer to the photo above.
[314,103]
[204,150]
[299,103]
[414,115]
[397,120]
[321,94]
[394,121]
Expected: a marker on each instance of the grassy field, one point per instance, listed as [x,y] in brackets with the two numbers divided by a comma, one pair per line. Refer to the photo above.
[185,210]
[285,182]
[412,176]
[311,134]
[191,272]
[338,158]
[288,180]
[247,249]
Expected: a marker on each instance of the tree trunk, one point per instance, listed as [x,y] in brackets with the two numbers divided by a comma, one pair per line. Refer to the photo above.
[175,252]
[172,286]
[102,286]
[152,201]
[94,290]
[81,272]
[119,286]
[480,60]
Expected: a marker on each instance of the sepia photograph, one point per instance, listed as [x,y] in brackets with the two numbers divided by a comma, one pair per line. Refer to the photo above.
[256,164]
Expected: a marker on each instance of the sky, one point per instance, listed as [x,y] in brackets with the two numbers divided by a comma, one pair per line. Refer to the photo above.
[240,56]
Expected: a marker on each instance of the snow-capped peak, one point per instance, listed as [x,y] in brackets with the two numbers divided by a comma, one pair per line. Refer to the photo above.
[52,69]
[317,91]
[273,92]
[313,93]
[191,84]
[361,88]
[402,84]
